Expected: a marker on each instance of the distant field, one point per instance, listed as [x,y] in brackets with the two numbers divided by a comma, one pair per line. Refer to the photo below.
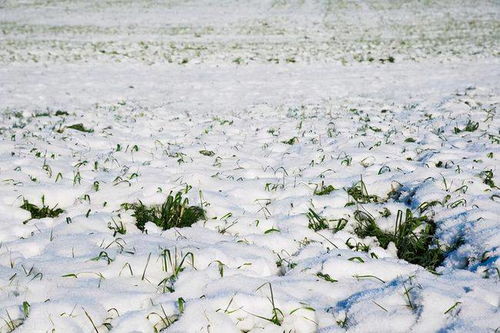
[247,32]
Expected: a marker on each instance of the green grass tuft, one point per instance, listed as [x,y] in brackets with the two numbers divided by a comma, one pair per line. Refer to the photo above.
[326,277]
[360,194]
[487,176]
[175,212]
[40,212]
[291,141]
[61,113]
[471,126]
[80,127]
[207,152]
[324,190]
[316,221]
[418,248]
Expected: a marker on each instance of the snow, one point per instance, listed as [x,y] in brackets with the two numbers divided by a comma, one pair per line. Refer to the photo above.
[258,74]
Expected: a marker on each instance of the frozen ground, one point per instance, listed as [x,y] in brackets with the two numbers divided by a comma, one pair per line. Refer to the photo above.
[252,108]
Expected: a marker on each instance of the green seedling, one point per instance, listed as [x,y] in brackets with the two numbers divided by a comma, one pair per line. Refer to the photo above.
[471,126]
[207,152]
[316,221]
[452,307]
[173,263]
[277,315]
[80,127]
[324,190]
[487,177]
[360,194]
[326,277]
[291,141]
[40,212]
[117,227]
[165,320]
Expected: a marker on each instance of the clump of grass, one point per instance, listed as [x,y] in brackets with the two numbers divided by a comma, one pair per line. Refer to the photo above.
[61,113]
[389,59]
[42,114]
[324,190]
[80,127]
[415,247]
[175,212]
[471,126]
[487,177]
[385,212]
[238,60]
[318,222]
[360,194]
[207,152]
[40,212]
[291,141]
[117,227]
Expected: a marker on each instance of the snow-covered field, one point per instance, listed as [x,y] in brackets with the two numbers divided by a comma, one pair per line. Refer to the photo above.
[306,130]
